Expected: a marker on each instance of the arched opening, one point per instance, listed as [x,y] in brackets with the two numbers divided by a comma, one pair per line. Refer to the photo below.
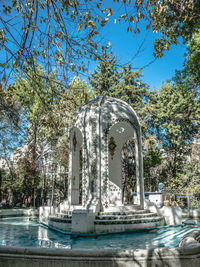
[76,168]
[128,171]
[118,137]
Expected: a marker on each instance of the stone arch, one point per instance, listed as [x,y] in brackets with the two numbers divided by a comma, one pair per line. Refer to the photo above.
[118,135]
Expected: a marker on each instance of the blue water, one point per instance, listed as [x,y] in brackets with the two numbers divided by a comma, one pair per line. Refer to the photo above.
[24,231]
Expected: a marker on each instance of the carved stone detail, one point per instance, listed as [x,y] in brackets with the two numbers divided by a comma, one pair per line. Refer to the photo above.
[112,146]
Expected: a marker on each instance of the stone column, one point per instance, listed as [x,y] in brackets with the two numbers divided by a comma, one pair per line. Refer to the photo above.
[139,168]
[70,172]
[75,176]
[74,166]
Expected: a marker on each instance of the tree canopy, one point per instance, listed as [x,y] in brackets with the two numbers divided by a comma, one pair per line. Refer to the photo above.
[65,34]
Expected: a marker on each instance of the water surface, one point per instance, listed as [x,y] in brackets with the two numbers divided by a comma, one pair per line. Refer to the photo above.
[24,231]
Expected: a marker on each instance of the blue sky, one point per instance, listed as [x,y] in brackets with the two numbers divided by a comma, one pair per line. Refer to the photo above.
[125,46]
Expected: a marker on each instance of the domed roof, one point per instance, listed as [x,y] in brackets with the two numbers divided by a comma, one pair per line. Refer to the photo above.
[108,110]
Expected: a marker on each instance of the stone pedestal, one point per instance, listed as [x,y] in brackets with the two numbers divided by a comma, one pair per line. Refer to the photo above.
[82,221]
[172,215]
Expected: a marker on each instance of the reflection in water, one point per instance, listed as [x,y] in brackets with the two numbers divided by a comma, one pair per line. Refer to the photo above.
[25,232]
[50,239]
[43,239]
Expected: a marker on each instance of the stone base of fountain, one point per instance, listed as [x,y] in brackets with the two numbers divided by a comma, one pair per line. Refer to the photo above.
[80,221]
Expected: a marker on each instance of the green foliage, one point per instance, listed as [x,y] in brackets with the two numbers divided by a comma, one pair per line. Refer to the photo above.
[27,174]
[9,111]
[64,33]
[176,109]
[192,60]
[173,19]
[33,92]
[175,124]
[122,83]
[51,33]
[47,109]
[189,180]
[79,91]
[39,95]
[5,181]
[105,76]
[152,159]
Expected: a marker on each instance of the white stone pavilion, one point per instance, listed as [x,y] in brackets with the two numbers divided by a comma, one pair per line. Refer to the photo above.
[95,188]
[97,137]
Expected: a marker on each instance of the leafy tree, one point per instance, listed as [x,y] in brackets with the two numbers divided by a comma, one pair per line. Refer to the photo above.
[126,84]
[106,75]
[79,91]
[171,19]
[152,164]
[132,89]
[8,111]
[174,19]
[38,95]
[10,183]
[52,33]
[34,95]
[48,109]
[12,135]
[192,59]
[188,179]
[63,33]
[176,125]
[9,116]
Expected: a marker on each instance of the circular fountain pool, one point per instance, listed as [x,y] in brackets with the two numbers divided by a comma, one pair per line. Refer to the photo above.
[27,232]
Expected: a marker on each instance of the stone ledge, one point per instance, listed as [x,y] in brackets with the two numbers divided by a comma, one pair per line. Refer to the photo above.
[40,257]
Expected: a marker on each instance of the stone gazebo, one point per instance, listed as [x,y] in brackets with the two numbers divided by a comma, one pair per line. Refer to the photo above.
[97,137]
[95,189]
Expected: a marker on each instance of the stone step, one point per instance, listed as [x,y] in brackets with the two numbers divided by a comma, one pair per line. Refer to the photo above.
[130,221]
[126,207]
[126,216]
[68,213]
[121,213]
[62,215]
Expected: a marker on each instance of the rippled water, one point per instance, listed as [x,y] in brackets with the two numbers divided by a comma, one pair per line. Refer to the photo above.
[24,231]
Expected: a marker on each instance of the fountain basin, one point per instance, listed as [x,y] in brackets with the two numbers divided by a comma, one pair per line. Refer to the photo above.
[27,243]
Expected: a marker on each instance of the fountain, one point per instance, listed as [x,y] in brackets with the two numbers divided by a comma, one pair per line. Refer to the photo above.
[95,206]
[95,191]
